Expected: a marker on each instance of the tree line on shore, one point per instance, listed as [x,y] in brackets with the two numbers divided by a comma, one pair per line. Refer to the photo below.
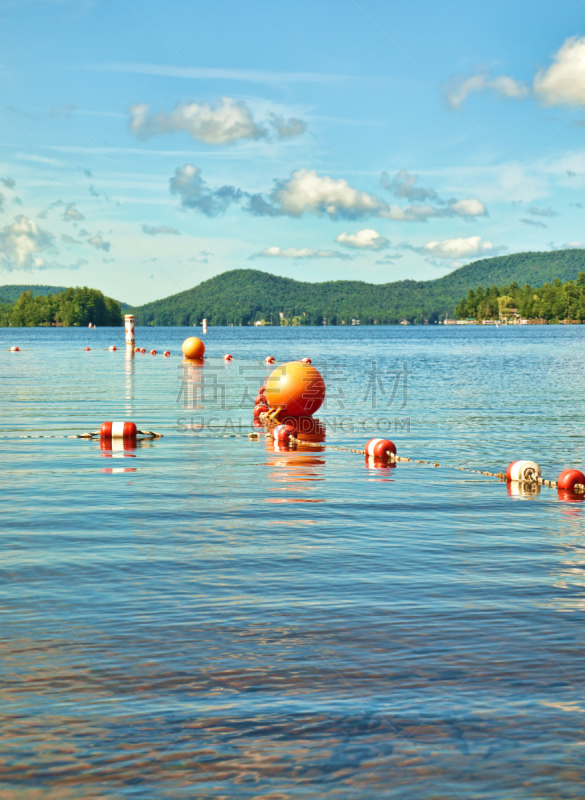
[73,307]
[552,302]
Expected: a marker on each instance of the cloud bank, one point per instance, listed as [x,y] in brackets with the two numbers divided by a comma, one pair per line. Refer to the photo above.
[298,252]
[366,239]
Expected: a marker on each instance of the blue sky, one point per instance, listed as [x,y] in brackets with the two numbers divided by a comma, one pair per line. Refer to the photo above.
[147,147]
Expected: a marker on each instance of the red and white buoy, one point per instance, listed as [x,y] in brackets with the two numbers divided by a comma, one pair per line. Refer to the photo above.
[228,357]
[153,352]
[306,361]
[136,349]
[118,430]
[129,328]
[380,448]
[269,360]
[166,353]
[522,471]
[112,347]
[14,349]
[142,350]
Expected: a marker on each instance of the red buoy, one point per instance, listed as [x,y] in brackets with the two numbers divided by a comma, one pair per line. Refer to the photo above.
[380,448]
[142,350]
[113,347]
[261,399]
[88,348]
[153,352]
[118,430]
[569,478]
[306,361]
[136,349]
[14,349]
[283,433]
[262,389]
[260,409]
[227,357]
[166,353]
[296,389]
[269,360]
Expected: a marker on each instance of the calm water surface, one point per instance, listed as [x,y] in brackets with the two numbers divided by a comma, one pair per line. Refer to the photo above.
[206,617]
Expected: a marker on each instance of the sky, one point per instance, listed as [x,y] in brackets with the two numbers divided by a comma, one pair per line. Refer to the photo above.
[146,147]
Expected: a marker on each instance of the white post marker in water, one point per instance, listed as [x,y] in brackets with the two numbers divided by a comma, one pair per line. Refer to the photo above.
[129,326]
[204,325]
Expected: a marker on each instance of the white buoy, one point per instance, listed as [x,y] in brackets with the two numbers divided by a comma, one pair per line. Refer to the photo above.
[129,326]
[204,325]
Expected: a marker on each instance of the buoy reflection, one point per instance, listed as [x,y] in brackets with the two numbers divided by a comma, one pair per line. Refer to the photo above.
[118,448]
[380,468]
[516,489]
[296,466]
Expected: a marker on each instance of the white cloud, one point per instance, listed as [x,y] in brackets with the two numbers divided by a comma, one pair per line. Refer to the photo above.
[155,230]
[218,73]
[573,246]
[21,245]
[298,252]
[468,208]
[286,128]
[503,85]
[308,191]
[366,239]
[405,185]
[224,123]
[71,214]
[458,248]
[98,242]
[563,83]
[188,183]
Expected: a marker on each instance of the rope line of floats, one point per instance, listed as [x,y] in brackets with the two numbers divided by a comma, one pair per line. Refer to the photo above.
[297,389]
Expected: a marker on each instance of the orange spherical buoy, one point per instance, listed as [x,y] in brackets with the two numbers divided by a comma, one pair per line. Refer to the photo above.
[193,347]
[306,361]
[153,352]
[269,360]
[136,349]
[166,353]
[296,389]
[260,409]
[380,448]
[142,350]
[88,348]
[569,478]
[227,357]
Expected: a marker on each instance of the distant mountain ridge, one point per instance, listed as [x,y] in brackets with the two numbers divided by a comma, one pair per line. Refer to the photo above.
[9,293]
[242,296]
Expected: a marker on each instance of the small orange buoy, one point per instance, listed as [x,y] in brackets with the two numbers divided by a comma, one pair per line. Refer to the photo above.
[113,347]
[118,430]
[166,353]
[153,352]
[136,349]
[260,399]
[142,350]
[283,433]
[569,477]
[15,349]
[193,347]
[380,448]
[296,389]
[260,409]
[269,360]
[228,357]
[88,348]
[306,361]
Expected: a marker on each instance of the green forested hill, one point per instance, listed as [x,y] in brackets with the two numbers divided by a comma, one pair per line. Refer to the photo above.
[243,296]
[10,293]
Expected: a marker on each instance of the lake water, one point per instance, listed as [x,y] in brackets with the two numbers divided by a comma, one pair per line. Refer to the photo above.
[204,616]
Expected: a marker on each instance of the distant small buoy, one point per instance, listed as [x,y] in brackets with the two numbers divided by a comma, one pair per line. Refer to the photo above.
[166,353]
[260,409]
[306,361]
[112,347]
[228,357]
[118,430]
[14,349]
[193,347]
[88,348]
[269,360]
[261,400]
[380,448]
[142,350]
[283,433]
[523,471]
[136,349]
[569,478]
[296,389]
[153,352]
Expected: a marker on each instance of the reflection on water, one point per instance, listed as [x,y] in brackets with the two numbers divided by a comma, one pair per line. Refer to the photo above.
[241,620]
